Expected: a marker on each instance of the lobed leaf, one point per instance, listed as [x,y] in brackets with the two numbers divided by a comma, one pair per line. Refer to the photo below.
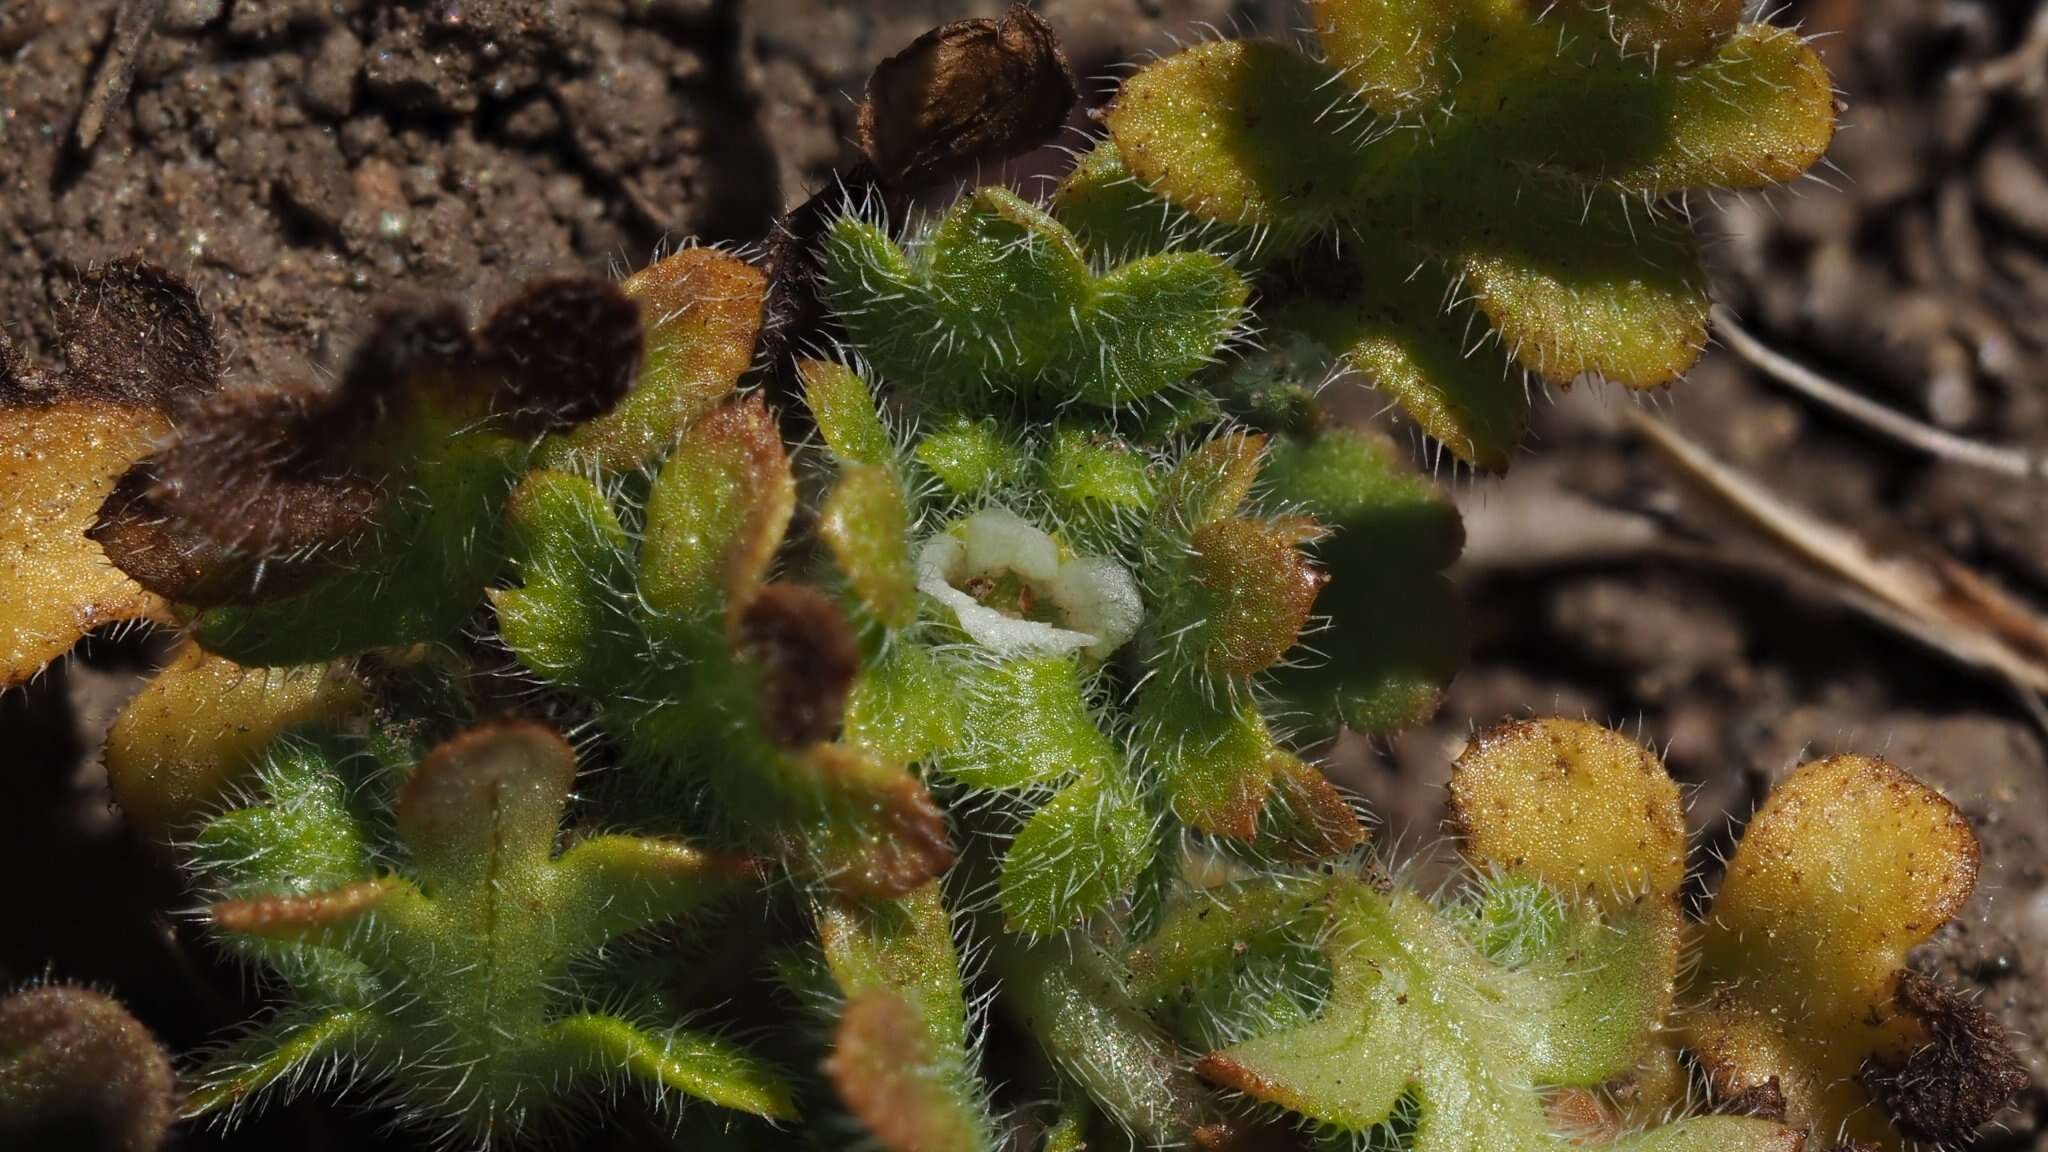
[1757,110]
[1000,297]
[1849,865]
[1411,1027]
[58,462]
[1423,354]
[1576,282]
[1242,132]
[199,727]
[470,949]
[573,556]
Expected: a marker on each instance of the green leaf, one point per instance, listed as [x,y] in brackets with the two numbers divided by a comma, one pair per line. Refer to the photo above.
[900,1059]
[1080,850]
[1210,482]
[573,555]
[1760,112]
[1397,630]
[1026,722]
[418,580]
[1395,73]
[1093,474]
[706,1067]
[716,514]
[972,456]
[1658,34]
[277,1052]
[469,948]
[1413,1011]
[1111,213]
[1215,757]
[1243,132]
[865,522]
[1068,994]
[1427,357]
[701,310]
[904,708]
[1000,298]
[1577,282]
[845,412]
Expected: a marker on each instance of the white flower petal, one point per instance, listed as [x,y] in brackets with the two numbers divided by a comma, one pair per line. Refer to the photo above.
[1094,594]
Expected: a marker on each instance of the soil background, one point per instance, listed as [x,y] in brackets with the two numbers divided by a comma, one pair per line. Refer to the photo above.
[296,159]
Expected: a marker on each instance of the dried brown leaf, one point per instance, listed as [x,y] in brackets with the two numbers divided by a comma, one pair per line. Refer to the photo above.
[1957,1082]
[135,334]
[884,1069]
[970,92]
[807,657]
[563,351]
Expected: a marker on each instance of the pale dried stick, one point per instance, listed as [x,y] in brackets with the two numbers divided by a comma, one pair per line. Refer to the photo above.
[1924,594]
[1877,417]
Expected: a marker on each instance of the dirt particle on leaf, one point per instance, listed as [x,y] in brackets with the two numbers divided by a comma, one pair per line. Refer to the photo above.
[1957,1082]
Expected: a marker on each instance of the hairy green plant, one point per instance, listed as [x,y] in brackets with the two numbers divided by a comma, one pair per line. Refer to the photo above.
[1438,176]
[467,984]
[725,688]
[1078,607]
[953,733]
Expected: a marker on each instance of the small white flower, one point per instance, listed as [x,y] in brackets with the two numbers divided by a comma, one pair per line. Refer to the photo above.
[1094,598]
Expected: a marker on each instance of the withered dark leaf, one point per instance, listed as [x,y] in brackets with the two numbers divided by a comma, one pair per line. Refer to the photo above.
[407,340]
[561,352]
[134,333]
[269,472]
[183,568]
[965,93]
[793,315]
[239,507]
[1962,1078]
[808,658]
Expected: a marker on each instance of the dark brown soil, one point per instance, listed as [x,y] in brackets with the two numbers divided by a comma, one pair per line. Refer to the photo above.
[298,158]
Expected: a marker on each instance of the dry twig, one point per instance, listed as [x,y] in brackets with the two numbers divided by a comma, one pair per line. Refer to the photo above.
[1878,418]
[133,23]
[1919,591]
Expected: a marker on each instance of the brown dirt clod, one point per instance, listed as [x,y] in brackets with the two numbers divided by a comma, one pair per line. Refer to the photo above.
[1962,1078]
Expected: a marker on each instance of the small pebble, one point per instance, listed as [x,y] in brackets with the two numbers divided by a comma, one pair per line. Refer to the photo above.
[330,85]
[190,15]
